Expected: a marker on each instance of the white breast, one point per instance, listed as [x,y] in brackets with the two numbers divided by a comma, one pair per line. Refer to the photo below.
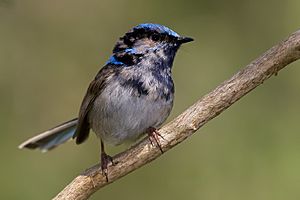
[117,116]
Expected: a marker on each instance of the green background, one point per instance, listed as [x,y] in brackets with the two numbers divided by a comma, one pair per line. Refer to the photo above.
[51,50]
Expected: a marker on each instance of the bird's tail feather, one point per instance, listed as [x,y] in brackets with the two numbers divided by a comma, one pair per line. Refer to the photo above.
[51,138]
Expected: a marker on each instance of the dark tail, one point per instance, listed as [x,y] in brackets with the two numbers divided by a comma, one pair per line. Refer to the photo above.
[52,138]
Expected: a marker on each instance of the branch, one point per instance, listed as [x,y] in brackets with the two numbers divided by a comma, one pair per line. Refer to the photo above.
[208,107]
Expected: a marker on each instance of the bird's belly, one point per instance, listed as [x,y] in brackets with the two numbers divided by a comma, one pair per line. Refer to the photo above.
[118,116]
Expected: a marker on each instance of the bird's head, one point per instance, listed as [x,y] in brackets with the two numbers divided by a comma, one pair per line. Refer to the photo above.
[153,41]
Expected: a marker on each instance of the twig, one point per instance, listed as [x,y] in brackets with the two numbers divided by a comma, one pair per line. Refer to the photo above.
[190,120]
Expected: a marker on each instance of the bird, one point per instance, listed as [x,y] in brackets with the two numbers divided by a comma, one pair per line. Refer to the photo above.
[132,95]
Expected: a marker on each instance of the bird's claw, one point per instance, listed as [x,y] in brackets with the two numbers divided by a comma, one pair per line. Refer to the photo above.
[105,159]
[153,137]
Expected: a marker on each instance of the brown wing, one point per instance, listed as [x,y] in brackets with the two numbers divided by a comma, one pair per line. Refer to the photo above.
[94,90]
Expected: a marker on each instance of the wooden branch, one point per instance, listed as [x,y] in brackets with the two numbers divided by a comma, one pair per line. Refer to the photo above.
[190,120]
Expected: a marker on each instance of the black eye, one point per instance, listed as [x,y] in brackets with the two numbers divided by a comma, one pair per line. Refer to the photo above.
[155,37]
[126,58]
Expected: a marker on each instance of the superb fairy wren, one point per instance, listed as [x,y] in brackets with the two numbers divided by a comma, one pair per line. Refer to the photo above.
[132,94]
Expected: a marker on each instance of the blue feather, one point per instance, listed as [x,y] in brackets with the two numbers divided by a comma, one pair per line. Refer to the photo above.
[114,61]
[157,27]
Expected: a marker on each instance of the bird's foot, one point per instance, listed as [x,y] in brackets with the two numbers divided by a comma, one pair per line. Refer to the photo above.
[153,137]
[105,159]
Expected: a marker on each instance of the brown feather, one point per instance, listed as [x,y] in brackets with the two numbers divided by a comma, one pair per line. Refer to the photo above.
[94,90]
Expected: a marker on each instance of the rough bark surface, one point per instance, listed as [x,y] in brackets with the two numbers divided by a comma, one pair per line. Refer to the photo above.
[205,109]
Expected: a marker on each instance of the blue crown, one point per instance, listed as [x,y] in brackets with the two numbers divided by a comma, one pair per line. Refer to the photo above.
[157,27]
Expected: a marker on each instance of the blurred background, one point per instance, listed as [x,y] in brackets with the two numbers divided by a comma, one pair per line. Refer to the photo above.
[51,50]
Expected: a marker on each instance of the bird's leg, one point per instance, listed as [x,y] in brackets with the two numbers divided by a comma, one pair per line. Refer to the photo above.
[105,159]
[153,137]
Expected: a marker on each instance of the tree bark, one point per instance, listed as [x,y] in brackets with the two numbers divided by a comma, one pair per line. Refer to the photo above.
[205,109]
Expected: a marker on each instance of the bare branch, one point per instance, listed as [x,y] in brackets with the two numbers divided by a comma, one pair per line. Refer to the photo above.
[190,120]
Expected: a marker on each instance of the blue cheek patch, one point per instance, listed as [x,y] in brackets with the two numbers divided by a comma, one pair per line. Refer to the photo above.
[113,60]
[130,51]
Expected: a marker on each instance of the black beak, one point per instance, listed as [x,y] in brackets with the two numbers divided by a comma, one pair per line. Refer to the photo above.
[182,40]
